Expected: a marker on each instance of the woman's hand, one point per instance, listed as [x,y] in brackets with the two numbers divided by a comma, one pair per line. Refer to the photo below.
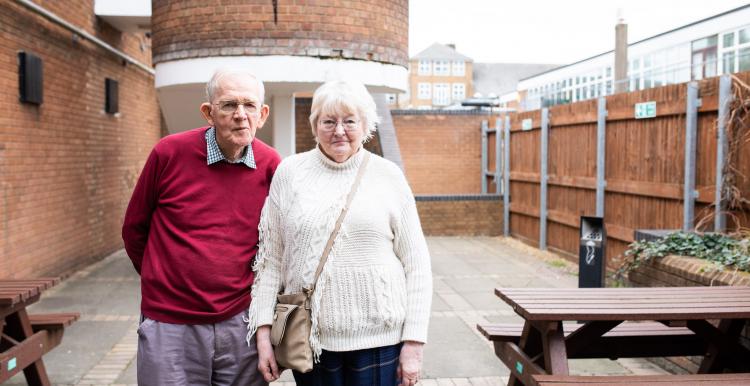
[410,363]
[266,361]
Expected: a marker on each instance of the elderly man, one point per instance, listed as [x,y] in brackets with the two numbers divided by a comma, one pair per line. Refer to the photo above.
[191,231]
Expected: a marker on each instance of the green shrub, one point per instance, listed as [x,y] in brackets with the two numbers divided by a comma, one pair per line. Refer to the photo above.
[724,250]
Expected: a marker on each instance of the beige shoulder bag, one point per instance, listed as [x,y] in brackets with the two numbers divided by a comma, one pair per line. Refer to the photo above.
[292,321]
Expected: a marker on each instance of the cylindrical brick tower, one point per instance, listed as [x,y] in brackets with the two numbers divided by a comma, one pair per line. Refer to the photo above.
[292,45]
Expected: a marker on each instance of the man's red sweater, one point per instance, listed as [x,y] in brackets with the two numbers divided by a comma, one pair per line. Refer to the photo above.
[191,229]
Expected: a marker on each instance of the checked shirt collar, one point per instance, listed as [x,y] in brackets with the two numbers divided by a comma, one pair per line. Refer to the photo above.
[215,154]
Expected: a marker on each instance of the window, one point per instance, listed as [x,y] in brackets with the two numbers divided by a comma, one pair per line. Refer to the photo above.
[745,35]
[458,68]
[735,51]
[728,40]
[424,91]
[744,59]
[425,67]
[727,60]
[442,68]
[704,63]
[441,94]
[459,92]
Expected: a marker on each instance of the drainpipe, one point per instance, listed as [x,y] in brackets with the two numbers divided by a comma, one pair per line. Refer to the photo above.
[80,32]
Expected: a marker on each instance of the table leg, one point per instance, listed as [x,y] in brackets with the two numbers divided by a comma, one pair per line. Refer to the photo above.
[723,345]
[553,345]
[530,344]
[18,327]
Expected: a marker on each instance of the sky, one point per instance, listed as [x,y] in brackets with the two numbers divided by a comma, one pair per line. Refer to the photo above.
[546,31]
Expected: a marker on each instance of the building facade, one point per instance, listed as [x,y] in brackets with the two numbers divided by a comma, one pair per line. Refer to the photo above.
[293,47]
[78,117]
[92,85]
[717,45]
[439,77]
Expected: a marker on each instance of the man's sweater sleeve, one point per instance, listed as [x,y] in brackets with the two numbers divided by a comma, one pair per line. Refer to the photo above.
[135,227]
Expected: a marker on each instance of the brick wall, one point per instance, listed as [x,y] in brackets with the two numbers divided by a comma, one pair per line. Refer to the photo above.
[441,151]
[467,215]
[66,167]
[364,29]
[303,133]
[681,271]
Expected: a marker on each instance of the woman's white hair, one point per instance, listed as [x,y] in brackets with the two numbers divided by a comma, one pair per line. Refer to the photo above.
[342,98]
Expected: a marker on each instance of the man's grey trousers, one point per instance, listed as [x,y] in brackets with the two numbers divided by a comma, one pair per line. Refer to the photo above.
[191,355]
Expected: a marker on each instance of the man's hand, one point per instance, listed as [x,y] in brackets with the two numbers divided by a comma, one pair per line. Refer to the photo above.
[410,363]
[266,361]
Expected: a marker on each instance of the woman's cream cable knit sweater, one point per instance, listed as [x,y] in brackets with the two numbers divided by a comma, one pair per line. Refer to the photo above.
[376,287]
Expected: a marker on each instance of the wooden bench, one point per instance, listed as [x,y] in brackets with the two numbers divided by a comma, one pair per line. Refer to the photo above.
[25,338]
[54,324]
[643,380]
[650,339]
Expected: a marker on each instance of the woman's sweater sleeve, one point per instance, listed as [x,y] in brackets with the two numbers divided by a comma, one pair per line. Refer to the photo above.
[411,247]
[267,265]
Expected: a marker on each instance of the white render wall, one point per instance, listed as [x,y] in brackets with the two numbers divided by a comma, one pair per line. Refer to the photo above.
[180,86]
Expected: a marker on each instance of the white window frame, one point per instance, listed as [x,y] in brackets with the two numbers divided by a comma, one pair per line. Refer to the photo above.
[425,67]
[441,95]
[735,49]
[458,68]
[458,92]
[441,68]
[424,91]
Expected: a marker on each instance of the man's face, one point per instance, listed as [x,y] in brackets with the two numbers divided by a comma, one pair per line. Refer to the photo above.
[236,112]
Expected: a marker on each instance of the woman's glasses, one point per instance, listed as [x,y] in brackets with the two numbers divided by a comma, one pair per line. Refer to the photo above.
[349,124]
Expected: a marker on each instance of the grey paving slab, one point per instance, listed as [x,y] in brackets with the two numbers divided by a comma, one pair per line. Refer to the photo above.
[454,350]
[439,304]
[466,271]
[484,300]
[129,376]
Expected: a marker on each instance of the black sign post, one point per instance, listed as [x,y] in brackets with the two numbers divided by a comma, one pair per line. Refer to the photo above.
[591,252]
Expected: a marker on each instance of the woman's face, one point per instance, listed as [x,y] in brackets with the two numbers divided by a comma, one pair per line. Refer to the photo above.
[339,135]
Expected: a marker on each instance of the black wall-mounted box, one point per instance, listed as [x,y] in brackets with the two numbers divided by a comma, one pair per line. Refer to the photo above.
[30,78]
[111,105]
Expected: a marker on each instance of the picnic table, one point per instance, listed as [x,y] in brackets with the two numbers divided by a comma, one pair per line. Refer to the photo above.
[25,338]
[566,323]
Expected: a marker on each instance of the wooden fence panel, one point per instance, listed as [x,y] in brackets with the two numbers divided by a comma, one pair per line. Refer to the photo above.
[645,162]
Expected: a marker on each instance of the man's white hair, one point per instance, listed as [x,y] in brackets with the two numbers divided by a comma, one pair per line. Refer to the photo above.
[215,82]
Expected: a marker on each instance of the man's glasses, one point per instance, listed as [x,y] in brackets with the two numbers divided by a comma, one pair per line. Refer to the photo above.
[349,124]
[229,107]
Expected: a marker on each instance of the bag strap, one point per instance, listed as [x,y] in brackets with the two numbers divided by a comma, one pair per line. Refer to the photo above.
[340,220]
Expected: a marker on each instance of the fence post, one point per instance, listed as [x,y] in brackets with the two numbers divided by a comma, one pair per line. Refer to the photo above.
[543,181]
[506,177]
[691,128]
[498,145]
[601,136]
[483,170]
[725,97]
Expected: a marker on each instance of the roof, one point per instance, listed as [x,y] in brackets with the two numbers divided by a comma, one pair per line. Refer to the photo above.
[646,39]
[441,51]
[501,78]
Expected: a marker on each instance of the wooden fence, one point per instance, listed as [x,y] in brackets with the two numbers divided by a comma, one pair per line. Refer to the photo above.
[644,168]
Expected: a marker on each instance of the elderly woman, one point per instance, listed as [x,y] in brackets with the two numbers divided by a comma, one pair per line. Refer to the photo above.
[371,304]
